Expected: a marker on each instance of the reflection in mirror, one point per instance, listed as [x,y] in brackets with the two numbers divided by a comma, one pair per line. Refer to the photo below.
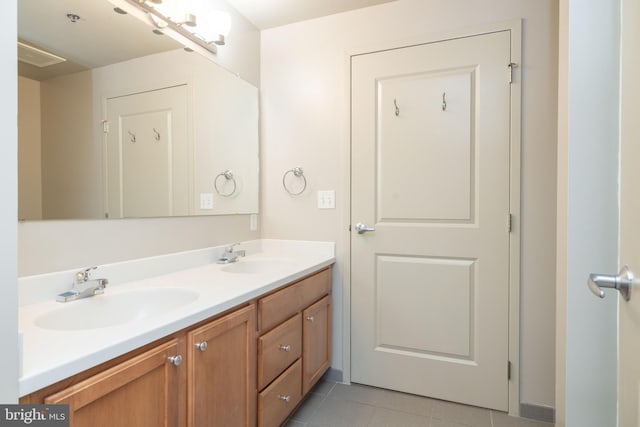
[116,131]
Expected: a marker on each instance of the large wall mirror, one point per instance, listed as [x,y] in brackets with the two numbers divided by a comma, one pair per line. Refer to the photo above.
[130,124]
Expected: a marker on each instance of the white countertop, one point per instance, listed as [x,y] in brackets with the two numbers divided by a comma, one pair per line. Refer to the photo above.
[49,355]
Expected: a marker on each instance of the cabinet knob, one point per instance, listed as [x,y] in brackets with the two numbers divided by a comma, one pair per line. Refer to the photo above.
[285,398]
[175,360]
[202,346]
[286,348]
[310,318]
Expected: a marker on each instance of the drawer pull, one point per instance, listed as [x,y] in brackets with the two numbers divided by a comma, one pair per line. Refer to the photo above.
[285,398]
[202,346]
[286,348]
[310,318]
[175,360]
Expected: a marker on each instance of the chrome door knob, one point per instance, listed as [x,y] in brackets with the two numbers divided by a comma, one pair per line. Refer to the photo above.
[361,228]
[285,348]
[175,360]
[202,346]
[621,282]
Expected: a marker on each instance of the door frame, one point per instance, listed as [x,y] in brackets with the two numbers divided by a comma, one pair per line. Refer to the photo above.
[515,27]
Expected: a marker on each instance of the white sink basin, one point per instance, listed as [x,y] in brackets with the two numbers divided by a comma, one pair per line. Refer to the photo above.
[257,266]
[102,311]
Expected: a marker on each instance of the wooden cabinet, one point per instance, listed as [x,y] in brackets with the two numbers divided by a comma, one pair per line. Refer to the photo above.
[203,376]
[294,347]
[251,366]
[221,371]
[143,391]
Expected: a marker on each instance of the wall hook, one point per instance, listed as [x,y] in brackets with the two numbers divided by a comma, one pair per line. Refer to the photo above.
[157,134]
[397,109]
[132,135]
[444,101]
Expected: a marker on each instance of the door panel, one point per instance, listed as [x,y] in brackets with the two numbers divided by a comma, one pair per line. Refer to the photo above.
[148,154]
[146,164]
[430,172]
[444,159]
[402,290]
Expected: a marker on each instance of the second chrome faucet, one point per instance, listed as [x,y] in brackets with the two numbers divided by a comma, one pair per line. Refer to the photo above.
[83,286]
[230,255]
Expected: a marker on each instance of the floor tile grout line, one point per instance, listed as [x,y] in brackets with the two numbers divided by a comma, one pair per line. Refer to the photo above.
[313,412]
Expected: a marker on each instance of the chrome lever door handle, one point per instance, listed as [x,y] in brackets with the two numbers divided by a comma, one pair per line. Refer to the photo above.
[621,282]
[361,228]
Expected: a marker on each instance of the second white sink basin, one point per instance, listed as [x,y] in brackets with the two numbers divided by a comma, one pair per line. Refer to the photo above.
[102,311]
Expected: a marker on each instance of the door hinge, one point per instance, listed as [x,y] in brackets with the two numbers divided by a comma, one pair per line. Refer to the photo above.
[509,222]
[511,66]
[105,126]
[509,370]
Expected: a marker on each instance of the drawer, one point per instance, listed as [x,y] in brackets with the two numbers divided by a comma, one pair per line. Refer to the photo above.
[277,307]
[278,349]
[277,401]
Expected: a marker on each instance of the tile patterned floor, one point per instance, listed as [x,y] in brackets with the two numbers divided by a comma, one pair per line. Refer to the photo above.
[336,405]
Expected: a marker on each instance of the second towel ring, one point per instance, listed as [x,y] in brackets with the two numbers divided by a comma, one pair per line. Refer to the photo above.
[298,173]
[228,176]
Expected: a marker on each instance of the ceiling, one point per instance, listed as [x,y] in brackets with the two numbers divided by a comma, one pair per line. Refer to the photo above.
[100,37]
[92,42]
[274,13]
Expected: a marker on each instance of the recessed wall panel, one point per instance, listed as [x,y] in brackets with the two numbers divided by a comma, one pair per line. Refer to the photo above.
[425,147]
[425,305]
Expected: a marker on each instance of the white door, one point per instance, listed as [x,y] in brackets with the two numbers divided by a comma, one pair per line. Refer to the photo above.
[148,154]
[430,173]
[629,312]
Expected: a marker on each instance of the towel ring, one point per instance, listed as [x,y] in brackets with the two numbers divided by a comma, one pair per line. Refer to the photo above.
[298,173]
[228,176]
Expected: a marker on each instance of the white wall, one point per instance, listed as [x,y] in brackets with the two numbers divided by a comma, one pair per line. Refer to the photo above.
[305,123]
[71,181]
[9,191]
[588,153]
[46,246]
[29,150]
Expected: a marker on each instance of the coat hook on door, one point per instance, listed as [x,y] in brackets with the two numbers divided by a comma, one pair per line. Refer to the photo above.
[157,134]
[444,101]
[132,135]
[397,109]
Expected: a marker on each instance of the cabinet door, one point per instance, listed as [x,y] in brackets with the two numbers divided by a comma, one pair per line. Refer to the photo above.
[316,348]
[143,391]
[221,371]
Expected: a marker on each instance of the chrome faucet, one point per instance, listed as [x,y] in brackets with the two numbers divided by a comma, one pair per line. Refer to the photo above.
[83,286]
[230,255]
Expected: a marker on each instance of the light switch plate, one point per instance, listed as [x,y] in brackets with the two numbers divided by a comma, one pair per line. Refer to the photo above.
[326,199]
[206,201]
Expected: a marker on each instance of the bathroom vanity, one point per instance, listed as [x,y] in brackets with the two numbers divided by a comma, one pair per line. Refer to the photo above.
[243,358]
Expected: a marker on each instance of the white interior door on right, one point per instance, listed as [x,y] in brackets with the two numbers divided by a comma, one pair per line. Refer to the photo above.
[430,189]
[629,311]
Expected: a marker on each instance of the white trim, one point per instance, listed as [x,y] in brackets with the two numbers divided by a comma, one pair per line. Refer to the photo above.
[515,27]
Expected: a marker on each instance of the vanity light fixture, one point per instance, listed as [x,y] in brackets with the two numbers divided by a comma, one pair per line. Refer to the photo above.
[199,24]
